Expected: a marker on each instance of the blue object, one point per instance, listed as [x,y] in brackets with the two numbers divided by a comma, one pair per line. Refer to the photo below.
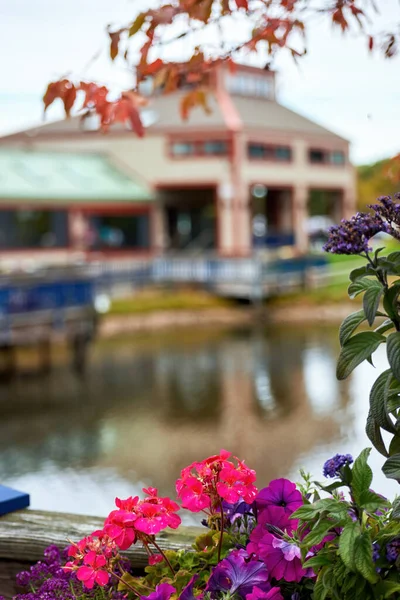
[11,500]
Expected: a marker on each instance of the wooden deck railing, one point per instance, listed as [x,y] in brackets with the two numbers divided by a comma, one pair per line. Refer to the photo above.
[25,534]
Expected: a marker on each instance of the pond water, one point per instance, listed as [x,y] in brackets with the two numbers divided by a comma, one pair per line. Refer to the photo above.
[149,405]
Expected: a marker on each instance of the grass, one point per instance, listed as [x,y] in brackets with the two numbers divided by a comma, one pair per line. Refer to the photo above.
[148,301]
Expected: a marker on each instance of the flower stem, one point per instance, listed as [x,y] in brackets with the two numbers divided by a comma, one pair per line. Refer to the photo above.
[221,535]
[130,587]
[164,557]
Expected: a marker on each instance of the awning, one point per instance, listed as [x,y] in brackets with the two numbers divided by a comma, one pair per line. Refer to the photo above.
[65,178]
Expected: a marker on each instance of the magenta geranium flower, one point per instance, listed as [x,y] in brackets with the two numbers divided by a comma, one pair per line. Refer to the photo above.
[282,558]
[93,570]
[280,492]
[257,594]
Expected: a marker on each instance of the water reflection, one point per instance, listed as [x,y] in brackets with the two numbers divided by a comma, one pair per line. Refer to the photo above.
[151,405]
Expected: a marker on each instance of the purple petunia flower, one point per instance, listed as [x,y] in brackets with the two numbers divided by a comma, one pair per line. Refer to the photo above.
[187,592]
[271,517]
[333,465]
[280,492]
[282,558]
[257,594]
[238,574]
[163,591]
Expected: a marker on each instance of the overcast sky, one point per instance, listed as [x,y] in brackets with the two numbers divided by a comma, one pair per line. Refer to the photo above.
[339,84]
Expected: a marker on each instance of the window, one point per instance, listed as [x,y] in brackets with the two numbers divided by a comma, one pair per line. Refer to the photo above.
[183,148]
[119,232]
[317,157]
[216,148]
[326,157]
[205,148]
[268,152]
[249,84]
[338,157]
[33,229]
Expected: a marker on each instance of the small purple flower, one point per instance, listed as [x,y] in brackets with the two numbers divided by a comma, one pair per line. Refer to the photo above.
[352,236]
[333,465]
[238,574]
[52,555]
[23,578]
[393,550]
[280,492]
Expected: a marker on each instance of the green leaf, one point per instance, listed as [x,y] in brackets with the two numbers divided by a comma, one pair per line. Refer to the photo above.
[390,301]
[370,501]
[361,285]
[319,531]
[137,24]
[363,558]
[386,589]
[317,561]
[349,325]
[394,446]
[385,326]
[347,544]
[394,257]
[393,353]
[373,432]
[391,468]
[359,273]
[378,401]
[357,349]
[371,303]
[362,475]
[396,509]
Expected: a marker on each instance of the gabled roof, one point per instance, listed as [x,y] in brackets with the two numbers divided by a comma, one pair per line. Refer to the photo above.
[164,114]
[63,176]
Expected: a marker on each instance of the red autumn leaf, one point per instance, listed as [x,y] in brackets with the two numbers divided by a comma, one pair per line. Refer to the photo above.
[370,42]
[94,95]
[69,98]
[201,10]
[52,92]
[225,8]
[63,89]
[242,4]
[191,100]
[115,37]
[152,68]
[289,5]
[338,18]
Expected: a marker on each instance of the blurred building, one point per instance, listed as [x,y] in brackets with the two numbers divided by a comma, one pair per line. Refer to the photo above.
[249,172]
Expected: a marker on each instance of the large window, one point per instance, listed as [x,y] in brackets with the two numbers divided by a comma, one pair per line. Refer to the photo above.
[199,148]
[33,229]
[108,232]
[319,156]
[258,151]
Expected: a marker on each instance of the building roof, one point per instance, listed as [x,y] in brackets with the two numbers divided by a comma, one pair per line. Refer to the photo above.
[69,177]
[163,114]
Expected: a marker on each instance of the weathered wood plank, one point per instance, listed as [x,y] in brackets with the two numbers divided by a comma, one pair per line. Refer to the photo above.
[25,534]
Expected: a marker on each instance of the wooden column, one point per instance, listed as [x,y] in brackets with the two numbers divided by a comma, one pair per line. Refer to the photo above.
[300,215]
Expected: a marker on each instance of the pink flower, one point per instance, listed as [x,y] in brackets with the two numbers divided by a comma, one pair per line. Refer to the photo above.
[152,519]
[193,496]
[257,594]
[92,571]
[282,558]
[154,559]
[280,492]
[119,526]
[129,504]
